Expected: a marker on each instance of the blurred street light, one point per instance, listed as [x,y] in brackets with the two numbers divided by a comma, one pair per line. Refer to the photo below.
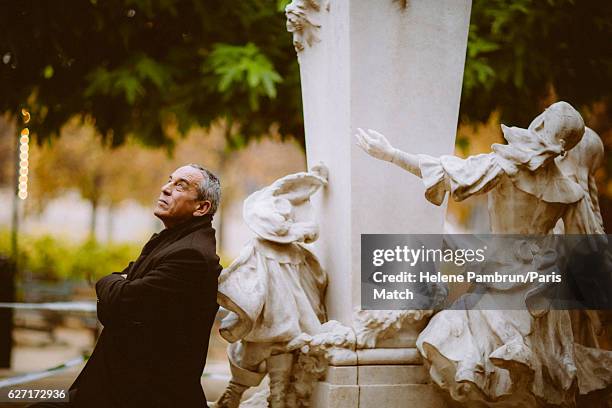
[22,163]
[24,148]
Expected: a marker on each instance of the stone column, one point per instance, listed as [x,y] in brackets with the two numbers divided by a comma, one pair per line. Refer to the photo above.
[395,66]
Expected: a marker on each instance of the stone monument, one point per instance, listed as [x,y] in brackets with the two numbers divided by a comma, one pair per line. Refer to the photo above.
[395,66]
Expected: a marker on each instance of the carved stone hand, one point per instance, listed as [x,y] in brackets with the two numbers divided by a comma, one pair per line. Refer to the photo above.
[375,144]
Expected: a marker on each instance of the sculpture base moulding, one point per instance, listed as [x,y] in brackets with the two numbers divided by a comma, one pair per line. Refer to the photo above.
[376,386]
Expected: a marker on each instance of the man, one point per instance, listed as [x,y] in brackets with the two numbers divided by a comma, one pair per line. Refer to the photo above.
[158,312]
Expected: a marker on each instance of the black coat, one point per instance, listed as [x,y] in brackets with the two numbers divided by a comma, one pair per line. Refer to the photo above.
[157,323]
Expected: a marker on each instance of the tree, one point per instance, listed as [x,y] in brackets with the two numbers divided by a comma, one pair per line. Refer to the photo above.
[104,176]
[523,53]
[79,160]
[141,66]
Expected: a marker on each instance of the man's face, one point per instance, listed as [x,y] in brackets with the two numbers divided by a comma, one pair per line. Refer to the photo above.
[178,200]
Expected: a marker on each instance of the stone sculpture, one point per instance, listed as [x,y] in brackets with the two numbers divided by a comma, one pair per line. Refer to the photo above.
[274,290]
[302,21]
[541,181]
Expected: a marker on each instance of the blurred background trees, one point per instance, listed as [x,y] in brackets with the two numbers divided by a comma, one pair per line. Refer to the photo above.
[523,53]
[144,67]
[81,160]
[147,67]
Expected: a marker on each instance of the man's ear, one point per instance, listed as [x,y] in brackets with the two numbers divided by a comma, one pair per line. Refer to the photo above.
[202,208]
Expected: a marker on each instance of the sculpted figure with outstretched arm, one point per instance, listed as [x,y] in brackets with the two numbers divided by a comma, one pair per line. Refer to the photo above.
[523,178]
[537,181]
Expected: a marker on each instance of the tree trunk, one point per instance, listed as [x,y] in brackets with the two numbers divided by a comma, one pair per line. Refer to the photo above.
[110,223]
[92,221]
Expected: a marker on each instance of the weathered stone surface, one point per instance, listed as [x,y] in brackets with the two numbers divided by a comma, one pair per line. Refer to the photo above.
[393,374]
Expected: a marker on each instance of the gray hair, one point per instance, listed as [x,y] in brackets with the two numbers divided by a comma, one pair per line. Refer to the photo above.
[209,188]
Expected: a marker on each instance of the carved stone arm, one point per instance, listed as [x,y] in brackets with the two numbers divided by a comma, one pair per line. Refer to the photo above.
[406,161]
[376,145]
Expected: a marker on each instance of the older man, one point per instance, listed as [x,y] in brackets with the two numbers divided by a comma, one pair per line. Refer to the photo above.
[158,312]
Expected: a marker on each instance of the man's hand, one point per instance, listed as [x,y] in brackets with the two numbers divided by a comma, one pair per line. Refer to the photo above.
[375,144]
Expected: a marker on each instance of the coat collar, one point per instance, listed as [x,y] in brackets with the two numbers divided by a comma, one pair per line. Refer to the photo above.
[178,231]
[186,227]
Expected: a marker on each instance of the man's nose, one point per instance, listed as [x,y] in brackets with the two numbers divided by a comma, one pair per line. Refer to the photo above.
[167,188]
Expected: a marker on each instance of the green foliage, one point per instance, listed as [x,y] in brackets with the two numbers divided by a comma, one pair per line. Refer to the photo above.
[96,260]
[281,4]
[53,258]
[130,80]
[462,143]
[140,67]
[242,69]
[478,72]
[522,52]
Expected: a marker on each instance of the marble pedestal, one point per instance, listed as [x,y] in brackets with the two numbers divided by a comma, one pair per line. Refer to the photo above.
[377,386]
[389,375]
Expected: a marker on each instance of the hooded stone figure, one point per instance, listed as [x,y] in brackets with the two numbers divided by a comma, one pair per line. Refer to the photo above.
[275,289]
[523,178]
[505,356]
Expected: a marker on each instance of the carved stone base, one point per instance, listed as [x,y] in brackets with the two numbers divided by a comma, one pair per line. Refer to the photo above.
[402,383]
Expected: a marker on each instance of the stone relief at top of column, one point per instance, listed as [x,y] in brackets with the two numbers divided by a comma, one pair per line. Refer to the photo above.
[303,21]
